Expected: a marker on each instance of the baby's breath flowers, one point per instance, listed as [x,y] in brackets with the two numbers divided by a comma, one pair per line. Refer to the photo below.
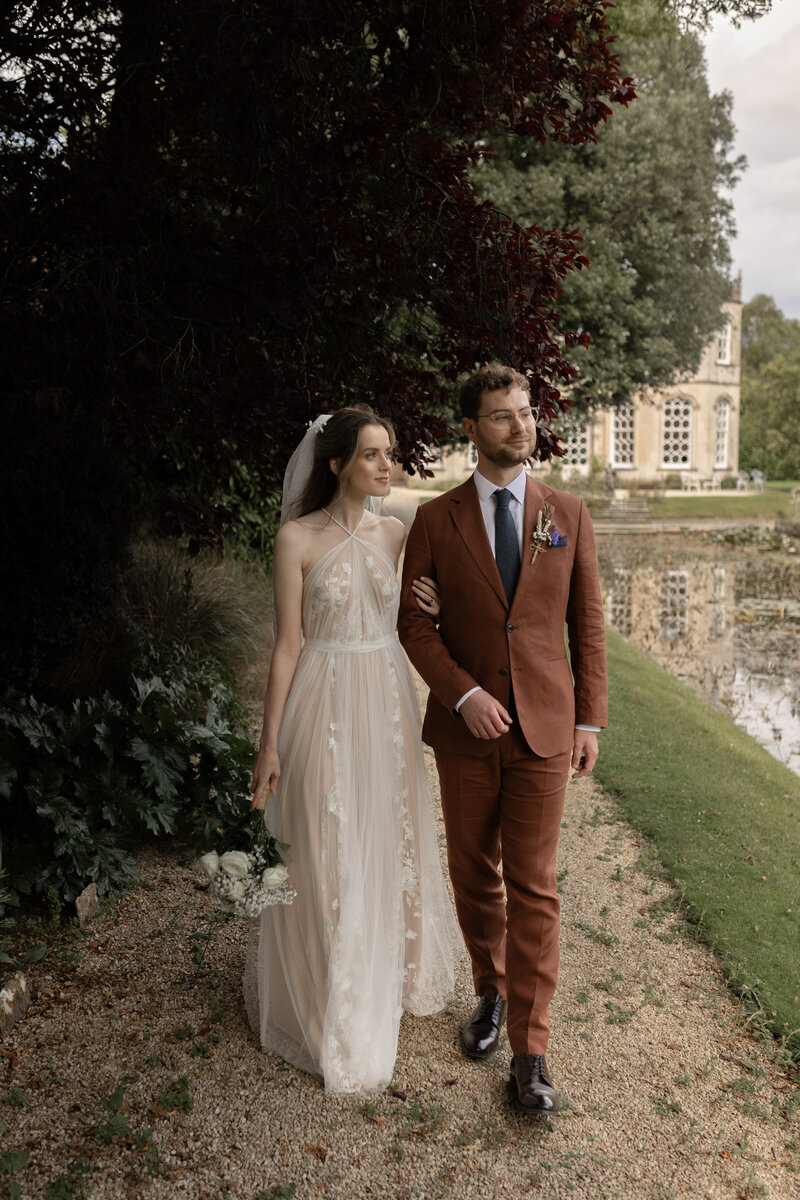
[248,880]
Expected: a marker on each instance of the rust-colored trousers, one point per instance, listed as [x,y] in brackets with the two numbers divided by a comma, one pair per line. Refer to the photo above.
[506,807]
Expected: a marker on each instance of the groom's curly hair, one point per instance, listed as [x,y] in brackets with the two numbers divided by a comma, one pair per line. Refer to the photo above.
[338,439]
[491,378]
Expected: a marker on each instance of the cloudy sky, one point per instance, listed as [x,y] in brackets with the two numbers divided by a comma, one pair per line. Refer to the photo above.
[760,64]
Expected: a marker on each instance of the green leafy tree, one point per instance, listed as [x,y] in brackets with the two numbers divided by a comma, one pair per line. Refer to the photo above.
[222,217]
[649,199]
[770,420]
[766,333]
[698,14]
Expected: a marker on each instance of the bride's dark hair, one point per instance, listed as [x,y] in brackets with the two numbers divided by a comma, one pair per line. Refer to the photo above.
[338,439]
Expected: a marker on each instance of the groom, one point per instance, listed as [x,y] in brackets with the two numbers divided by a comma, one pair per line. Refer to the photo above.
[506,715]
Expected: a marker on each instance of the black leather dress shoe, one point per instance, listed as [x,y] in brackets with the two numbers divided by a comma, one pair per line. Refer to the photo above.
[534,1087]
[480,1035]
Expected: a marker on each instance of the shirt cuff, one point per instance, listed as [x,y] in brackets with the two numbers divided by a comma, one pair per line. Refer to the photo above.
[588,728]
[471,692]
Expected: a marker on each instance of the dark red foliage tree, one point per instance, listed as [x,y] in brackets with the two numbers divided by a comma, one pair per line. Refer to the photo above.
[222,218]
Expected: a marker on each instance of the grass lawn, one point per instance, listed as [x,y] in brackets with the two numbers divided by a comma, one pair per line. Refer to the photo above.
[782,485]
[725,819]
[774,504]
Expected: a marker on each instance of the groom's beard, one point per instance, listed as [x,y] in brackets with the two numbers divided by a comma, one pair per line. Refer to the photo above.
[504,455]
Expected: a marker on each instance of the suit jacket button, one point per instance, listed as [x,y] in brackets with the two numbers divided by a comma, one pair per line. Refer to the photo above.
[509,628]
[503,671]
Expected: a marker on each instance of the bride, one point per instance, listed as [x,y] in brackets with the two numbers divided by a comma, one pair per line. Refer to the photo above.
[371,931]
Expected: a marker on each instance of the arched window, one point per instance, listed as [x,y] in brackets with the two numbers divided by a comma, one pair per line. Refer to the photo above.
[677,434]
[724,345]
[721,436]
[622,436]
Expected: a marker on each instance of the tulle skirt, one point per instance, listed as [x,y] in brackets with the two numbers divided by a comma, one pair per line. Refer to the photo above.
[371,931]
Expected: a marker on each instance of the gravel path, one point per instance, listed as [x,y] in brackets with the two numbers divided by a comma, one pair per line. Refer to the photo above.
[667,1094]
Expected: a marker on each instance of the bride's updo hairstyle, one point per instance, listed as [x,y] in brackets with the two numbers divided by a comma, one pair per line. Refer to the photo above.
[337,439]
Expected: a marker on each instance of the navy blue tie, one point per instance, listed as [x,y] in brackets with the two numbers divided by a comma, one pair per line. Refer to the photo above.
[506,543]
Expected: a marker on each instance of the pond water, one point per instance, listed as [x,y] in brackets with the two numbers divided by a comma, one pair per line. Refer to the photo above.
[723,618]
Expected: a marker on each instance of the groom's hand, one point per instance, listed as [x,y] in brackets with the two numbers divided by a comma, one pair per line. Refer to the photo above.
[485,716]
[584,752]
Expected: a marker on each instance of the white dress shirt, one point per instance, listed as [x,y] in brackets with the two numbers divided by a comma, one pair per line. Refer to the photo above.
[516,506]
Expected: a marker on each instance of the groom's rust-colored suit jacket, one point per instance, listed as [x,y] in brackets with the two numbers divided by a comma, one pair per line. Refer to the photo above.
[483,641]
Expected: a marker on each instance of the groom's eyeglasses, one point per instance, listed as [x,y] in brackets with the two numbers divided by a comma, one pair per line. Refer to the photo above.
[503,417]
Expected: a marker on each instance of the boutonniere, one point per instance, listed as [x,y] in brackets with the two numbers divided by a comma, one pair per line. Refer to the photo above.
[545,533]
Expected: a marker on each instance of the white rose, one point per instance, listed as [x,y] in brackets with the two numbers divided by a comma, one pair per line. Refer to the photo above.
[275,877]
[210,863]
[236,891]
[235,863]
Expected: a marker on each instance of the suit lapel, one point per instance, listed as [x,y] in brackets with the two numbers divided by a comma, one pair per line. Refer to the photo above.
[465,510]
[536,496]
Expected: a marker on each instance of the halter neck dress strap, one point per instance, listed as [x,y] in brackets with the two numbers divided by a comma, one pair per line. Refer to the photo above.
[349,532]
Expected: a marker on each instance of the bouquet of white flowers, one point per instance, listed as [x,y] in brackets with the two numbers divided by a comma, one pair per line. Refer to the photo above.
[248,880]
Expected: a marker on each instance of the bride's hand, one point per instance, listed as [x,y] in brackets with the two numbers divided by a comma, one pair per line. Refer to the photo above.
[264,780]
[427,595]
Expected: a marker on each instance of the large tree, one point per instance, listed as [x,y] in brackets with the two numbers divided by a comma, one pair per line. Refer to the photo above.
[224,217]
[651,200]
[770,420]
[766,333]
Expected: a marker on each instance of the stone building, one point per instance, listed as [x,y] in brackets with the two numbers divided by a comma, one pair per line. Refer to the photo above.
[686,435]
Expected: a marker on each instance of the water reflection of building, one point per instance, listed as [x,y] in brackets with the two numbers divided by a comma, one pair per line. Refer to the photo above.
[741,654]
[620,601]
[679,617]
[674,612]
[718,575]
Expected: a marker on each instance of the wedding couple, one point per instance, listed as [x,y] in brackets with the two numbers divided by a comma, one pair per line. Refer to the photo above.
[371,931]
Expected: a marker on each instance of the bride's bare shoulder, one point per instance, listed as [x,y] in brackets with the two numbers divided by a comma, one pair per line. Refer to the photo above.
[295,535]
[389,532]
[395,529]
[313,522]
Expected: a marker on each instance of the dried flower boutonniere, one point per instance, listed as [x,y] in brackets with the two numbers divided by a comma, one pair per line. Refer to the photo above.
[545,534]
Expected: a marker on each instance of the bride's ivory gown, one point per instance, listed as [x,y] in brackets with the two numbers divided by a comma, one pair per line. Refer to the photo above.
[371,931]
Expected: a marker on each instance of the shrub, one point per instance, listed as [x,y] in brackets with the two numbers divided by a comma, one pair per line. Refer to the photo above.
[217,608]
[650,485]
[152,740]
[258,504]
[82,786]
[750,535]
